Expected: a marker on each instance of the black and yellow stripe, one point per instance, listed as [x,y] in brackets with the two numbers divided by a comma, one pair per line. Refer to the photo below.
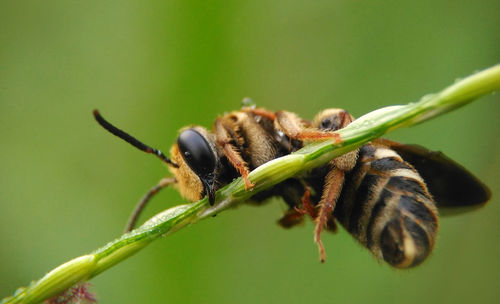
[386,206]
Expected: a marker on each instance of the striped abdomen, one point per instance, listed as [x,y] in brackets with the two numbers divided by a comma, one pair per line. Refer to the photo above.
[386,205]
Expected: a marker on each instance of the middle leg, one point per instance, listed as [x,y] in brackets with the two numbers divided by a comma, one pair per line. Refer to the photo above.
[297,128]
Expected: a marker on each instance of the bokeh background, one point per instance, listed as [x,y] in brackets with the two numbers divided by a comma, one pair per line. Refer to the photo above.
[152,67]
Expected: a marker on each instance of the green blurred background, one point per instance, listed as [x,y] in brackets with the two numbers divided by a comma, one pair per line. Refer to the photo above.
[152,67]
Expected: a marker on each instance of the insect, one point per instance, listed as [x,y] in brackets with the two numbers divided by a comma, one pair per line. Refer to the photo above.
[376,192]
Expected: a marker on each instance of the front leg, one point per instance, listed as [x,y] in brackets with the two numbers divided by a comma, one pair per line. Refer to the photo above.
[223,132]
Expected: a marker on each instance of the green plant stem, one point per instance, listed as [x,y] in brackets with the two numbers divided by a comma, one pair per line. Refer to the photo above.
[361,131]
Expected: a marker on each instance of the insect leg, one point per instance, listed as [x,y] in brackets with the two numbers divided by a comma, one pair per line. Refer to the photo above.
[331,191]
[297,128]
[307,206]
[295,215]
[291,218]
[224,139]
[261,112]
[145,199]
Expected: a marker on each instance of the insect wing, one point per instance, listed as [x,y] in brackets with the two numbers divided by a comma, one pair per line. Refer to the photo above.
[454,188]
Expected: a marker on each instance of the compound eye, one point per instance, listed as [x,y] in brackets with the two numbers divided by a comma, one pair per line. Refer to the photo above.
[333,122]
[326,124]
[197,152]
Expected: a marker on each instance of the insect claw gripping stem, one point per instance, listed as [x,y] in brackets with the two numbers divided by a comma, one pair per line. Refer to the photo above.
[248,184]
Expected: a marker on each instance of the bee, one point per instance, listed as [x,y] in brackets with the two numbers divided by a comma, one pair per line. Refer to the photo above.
[385,194]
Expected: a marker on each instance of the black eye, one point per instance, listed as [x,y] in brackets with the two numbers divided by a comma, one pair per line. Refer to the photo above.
[197,153]
[326,124]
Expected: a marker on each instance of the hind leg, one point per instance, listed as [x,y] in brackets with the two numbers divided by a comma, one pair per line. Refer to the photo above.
[323,127]
[334,181]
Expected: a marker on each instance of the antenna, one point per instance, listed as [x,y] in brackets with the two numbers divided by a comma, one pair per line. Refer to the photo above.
[132,140]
